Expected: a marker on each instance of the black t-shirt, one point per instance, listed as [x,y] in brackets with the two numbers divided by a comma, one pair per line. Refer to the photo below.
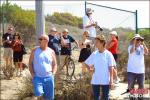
[67,49]
[54,43]
[9,37]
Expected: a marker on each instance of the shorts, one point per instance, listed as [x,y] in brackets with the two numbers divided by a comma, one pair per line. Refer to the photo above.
[84,54]
[8,53]
[17,56]
[44,86]
[115,57]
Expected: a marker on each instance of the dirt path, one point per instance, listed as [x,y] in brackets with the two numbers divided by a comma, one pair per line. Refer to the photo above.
[116,93]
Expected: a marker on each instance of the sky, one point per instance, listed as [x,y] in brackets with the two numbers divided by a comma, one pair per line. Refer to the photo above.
[106,17]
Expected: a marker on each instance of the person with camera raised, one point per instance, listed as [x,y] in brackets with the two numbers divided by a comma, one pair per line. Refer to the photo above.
[136,66]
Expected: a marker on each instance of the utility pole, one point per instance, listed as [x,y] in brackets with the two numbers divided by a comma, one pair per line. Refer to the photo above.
[40,19]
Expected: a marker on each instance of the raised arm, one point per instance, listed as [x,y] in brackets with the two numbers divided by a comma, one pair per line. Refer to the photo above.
[110,45]
[133,46]
[146,51]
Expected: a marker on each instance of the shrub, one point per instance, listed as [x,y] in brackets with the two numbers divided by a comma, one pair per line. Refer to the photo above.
[8,71]
[26,90]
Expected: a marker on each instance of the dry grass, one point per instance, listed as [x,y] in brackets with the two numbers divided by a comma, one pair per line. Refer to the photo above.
[76,89]
[8,71]
[26,90]
[65,89]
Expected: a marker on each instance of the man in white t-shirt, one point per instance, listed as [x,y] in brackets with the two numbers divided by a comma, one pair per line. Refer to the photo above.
[136,66]
[103,63]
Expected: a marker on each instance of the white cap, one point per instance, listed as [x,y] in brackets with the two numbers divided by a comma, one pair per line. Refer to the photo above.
[114,33]
[53,29]
[65,30]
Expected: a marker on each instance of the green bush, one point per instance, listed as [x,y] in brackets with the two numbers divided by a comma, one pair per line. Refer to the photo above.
[64,19]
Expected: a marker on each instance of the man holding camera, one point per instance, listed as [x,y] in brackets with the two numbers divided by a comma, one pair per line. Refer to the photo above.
[8,52]
[136,66]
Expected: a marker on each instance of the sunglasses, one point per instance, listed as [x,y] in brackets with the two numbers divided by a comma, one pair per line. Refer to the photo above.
[40,39]
[138,39]
[10,29]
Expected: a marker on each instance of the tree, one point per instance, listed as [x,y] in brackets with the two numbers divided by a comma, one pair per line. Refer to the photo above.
[22,20]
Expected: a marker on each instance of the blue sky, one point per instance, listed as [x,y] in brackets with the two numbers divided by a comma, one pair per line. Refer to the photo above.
[100,15]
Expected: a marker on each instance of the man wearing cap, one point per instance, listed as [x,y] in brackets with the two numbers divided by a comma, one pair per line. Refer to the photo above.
[66,44]
[103,62]
[43,66]
[136,66]
[54,42]
[8,52]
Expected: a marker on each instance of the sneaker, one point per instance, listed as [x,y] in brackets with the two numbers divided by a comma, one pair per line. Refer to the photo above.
[116,85]
[117,80]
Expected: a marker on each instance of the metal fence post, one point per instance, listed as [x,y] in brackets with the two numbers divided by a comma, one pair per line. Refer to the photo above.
[136,22]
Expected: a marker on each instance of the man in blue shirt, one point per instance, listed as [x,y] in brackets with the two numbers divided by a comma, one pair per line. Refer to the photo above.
[54,40]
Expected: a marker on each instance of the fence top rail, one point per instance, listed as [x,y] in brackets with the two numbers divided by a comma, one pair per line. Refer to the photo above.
[110,7]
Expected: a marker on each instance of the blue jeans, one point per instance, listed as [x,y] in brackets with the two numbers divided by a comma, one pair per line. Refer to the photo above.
[105,92]
[44,86]
[133,77]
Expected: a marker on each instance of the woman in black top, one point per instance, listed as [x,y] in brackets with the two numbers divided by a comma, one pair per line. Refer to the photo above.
[85,45]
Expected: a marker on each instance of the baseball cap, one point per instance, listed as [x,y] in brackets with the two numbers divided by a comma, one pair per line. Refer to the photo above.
[53,29]
[114,33]
[65,30]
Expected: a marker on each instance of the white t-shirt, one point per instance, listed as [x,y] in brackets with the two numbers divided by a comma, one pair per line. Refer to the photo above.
[136,60]
[101,62]
[89,21]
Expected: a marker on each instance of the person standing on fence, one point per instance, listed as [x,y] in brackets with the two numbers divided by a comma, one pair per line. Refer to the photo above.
[43,67]
[17,53]
[89,24]
[85,45]
[112,46]
[103,62]
[136,66]
[8,52]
